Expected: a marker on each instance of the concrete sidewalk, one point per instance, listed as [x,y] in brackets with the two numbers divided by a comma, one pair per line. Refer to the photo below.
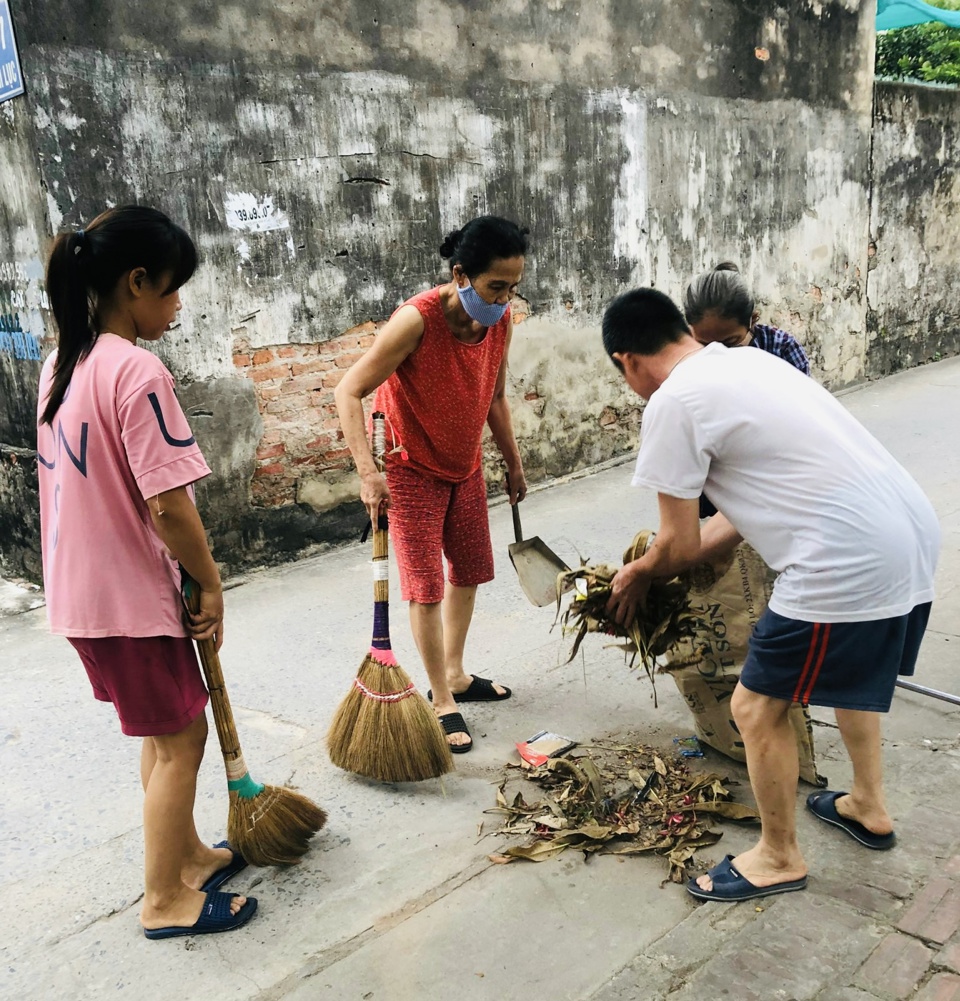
[397,900]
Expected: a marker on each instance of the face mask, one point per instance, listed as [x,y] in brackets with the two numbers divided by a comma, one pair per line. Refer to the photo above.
[485,313]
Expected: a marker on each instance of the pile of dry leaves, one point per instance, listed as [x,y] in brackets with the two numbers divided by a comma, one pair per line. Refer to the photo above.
[617,800]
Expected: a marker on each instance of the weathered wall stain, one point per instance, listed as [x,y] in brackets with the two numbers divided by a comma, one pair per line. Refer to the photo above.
[913,288]
[318,152]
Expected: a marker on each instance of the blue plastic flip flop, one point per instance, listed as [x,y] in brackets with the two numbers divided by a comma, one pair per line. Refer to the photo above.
[214,917]
[235,865]
[823,805]
[729,885]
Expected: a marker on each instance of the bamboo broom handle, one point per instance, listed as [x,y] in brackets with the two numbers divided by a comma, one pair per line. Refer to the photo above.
[381,539]
[219,700]
[381,550]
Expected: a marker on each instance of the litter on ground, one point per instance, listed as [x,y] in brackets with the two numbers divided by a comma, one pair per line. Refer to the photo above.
[614,799]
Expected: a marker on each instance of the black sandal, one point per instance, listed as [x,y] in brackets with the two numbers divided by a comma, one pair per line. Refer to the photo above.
[480,690]
[454,723]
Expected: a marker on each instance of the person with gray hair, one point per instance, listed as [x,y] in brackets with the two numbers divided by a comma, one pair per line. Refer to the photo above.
[720,307]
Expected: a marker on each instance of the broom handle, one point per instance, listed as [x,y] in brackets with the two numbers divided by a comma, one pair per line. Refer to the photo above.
[381,547]
[515,508]
[219,700]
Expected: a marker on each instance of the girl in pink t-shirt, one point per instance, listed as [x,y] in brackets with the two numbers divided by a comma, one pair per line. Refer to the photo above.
[116,463]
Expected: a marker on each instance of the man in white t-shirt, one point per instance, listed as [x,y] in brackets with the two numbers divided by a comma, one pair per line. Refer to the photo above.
[852,536]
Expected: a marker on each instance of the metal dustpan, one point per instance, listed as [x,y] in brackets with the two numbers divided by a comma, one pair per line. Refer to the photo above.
[536,564]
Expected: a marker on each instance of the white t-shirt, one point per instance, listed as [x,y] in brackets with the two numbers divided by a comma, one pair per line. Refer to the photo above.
[850,532]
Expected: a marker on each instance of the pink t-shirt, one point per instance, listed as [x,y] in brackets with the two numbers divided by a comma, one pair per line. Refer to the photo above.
[119,437]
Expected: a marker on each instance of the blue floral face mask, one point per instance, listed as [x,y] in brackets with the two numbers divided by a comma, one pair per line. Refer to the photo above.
[487,314]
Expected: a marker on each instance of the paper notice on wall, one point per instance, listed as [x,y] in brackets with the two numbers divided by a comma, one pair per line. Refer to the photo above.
[253,213]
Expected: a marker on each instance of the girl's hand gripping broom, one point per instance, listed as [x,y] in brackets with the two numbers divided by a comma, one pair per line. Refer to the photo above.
[267,825]
[384,728]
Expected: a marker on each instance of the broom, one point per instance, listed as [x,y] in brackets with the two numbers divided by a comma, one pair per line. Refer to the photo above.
[384,728]
[267,825]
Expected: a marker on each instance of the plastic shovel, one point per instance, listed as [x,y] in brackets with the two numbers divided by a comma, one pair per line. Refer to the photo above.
[536,564]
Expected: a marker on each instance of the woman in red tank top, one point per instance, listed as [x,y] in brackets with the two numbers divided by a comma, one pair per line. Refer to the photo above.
[439,369]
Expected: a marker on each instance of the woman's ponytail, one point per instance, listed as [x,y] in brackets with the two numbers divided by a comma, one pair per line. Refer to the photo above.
[70,302]
[84,269]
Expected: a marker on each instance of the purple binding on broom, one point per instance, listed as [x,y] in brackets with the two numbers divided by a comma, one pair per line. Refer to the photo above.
[381,626]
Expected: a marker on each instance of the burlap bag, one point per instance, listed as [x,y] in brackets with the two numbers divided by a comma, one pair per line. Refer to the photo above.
[728,599]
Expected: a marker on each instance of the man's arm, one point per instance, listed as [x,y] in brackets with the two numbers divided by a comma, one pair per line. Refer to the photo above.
[678,545]
[717,538]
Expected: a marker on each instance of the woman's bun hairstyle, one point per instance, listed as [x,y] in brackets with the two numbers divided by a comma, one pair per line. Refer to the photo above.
[721,292]
[481,241]
[449,246]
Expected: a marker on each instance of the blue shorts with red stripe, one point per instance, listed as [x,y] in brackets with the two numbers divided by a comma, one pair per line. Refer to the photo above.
[843,665]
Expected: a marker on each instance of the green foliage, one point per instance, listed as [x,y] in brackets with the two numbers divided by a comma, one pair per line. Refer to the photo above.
[928,52]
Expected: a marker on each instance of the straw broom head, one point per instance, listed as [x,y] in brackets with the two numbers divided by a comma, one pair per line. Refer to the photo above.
[274,827]
[267,825]
[384,728]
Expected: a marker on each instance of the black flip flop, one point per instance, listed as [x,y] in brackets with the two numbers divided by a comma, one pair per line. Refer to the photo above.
[454,723]
[237,864]
[823,805]
[729,885]
[480,690]
[215,917]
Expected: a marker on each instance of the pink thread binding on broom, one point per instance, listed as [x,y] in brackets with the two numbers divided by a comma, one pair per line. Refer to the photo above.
[384,657]
[384,696]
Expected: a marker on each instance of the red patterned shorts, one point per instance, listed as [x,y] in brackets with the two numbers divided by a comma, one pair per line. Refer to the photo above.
[431,519]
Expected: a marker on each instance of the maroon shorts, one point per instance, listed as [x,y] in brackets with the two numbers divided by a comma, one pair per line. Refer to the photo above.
[432,518]
[154,682]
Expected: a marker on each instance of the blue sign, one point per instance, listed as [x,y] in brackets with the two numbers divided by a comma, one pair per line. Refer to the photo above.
[11,79]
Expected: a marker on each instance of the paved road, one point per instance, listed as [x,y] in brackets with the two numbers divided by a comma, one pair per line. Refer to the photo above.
[398,900]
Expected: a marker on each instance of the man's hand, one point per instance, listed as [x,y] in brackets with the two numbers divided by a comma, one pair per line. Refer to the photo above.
[208,622]
[628,593]
[375,495]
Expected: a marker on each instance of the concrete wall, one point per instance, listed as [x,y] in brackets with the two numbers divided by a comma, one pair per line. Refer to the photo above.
[24,325]
[913,287]
[318,151]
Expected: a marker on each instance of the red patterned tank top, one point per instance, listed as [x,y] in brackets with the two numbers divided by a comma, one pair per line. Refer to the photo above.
[438,399]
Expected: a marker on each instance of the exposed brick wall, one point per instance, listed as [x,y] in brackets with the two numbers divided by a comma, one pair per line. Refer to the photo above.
[294,386]
[302,441]
[301,433]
